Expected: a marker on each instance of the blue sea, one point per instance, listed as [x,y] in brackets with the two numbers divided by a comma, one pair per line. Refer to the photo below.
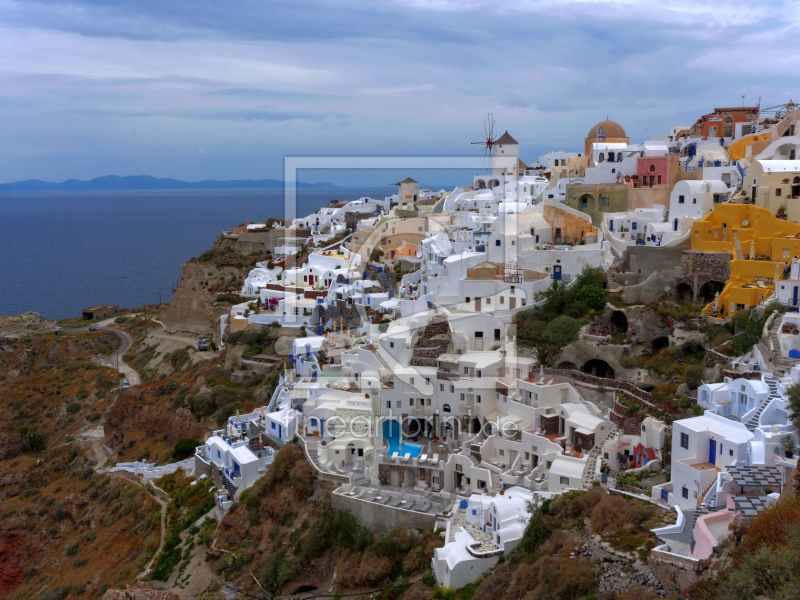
[65,251]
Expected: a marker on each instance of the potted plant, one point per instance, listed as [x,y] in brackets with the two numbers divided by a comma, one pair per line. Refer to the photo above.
[788,445]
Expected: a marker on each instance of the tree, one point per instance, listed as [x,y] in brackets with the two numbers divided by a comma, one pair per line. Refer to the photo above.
[793,394]
[694,375]
[32,440]
[185,448]
[593,297]
[541,354]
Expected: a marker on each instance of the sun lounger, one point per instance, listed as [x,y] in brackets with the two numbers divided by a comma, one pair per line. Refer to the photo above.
[423,458]
[394,456]
[435,459]
[407,457]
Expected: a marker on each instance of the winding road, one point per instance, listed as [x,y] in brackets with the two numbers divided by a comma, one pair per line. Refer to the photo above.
[115,359]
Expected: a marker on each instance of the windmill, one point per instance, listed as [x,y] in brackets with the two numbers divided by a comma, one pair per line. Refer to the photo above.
[487,141]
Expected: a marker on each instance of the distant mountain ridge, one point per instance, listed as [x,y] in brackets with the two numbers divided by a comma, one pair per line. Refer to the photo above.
[145,182]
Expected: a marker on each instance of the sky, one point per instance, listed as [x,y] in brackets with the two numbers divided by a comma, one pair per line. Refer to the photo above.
[203,89]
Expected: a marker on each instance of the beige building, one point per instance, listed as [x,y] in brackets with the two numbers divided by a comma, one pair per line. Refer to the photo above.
[775,184]
[605,132]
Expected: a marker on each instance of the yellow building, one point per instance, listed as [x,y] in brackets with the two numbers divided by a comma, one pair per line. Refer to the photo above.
[775,185]
[760,244]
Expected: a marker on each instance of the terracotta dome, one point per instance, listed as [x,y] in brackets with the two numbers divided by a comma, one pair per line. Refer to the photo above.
[609,128]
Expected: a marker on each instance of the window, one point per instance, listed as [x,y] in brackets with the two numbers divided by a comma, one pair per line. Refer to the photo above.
[466,370]
[496,334]
[502,452]
[452,388]
[513,242]
[565,481]
[730,452]
[479,374]
[412,381]
[474,512]
[446,408]
[467,299]
[680,199]
[273,425]
[441,387]
[388,404]
[603,200]
[497,242]
[685,492]
[463,397]
[694,200]
[659,180]
[313,422]
[478,399]
[777,191]
[429,401]
[652,168]
[218,454]
[427,380]
[502,299]
[514,288]
[684,441]
[391,344]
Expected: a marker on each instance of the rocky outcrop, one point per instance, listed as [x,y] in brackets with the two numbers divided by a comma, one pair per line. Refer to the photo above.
[194,307]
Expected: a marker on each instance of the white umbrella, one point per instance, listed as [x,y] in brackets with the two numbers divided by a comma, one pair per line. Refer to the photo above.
[752,249]
[403,489]
[430,447]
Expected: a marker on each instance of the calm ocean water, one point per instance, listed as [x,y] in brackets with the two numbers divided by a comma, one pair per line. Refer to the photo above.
[65,251]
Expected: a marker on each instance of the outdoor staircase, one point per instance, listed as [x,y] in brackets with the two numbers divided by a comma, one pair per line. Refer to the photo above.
[703,510]
[774,392]
[778,360]
[311,450]
[594,454]
[228,485]
[385,280]
[495,482]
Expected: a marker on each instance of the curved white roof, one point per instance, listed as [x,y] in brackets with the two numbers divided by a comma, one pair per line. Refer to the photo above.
[779,166]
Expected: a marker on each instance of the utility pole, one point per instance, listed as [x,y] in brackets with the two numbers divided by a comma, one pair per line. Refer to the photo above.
[144,306]
[159,298]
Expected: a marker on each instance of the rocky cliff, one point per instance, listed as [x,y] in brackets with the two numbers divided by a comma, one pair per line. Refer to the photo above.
[195,305]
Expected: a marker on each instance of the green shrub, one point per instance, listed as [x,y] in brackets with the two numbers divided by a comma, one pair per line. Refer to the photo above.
[628,362]
[592,297]
[185,448]
[278,570]
[694,375]
[561,331]
[697,410]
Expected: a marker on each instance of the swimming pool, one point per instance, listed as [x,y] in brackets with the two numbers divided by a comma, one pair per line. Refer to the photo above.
[391,433]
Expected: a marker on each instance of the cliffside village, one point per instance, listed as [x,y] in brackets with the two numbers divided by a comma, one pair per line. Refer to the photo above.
[408,385]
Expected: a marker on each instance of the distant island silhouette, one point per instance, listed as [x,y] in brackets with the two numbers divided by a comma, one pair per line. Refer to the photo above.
[145,182]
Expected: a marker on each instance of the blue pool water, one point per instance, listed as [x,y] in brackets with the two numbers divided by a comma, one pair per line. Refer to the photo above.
[391,433]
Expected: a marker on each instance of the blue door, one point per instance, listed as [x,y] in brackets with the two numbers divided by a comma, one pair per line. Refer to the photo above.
[321,427]
[611,224]
[712,452]
[557,272]
[794,296]
[281,436]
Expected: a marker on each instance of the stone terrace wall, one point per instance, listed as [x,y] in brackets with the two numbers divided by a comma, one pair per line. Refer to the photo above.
[644,399]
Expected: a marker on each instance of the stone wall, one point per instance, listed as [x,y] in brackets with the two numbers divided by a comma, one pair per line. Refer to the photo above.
[550,424]
[584,442]
[628,424]
[698,268]
[715,358]
[380,518]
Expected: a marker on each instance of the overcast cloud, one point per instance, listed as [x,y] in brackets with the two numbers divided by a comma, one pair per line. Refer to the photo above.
[206,89]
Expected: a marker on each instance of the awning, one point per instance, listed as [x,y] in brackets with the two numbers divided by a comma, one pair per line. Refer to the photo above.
[584,431]
[390,304]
